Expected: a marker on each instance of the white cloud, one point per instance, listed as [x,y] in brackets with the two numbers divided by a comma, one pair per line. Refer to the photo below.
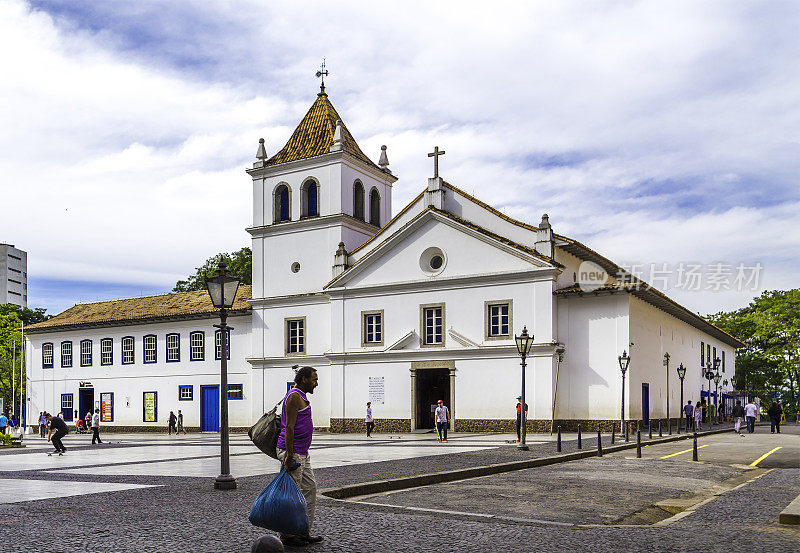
[653,132]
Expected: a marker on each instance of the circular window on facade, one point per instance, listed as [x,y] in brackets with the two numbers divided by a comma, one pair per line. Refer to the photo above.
[432,261]
[295,267]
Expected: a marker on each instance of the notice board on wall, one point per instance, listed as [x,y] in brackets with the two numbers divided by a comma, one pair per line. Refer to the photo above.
[150,407]
[377,390]
[107,407]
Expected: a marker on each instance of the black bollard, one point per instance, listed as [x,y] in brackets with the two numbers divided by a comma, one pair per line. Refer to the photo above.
[650,429]
[638,444]
[599,443]
[613,432]
[580,444]
[558,440]
[669,426]
[627,432]
[694,448]
[660,435]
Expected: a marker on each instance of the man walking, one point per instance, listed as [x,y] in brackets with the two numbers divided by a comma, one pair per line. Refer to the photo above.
[751,411]
[96,427]
[3,423]
[173,421]
[738,415]
[58,429]
[775,412]
[519,417]
[688,411]
[180,423]
[442,417]
[42,424]
[297,429]
[368,420]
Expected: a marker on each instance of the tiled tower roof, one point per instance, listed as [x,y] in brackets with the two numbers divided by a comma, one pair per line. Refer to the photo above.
[314,136]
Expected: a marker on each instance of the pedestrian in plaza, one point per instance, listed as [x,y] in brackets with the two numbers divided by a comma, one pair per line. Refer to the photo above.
[173,421]
[775,412]
[703,410]
[751,412]
[698,417]
[96,427]
[3,423]
[180,423]
[519,417]
[58,429]
[42,424]
[722,411]
[297,430]
[738,415]
[442,417]
[688,411]
[88,420]
[368,420]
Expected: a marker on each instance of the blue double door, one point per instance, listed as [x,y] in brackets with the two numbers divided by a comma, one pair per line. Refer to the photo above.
[209,408]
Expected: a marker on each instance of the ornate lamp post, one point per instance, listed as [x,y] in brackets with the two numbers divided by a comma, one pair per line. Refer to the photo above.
[709,375]
[725,385]
[666,364]
[559,358]
[717,378]
[624,361]
[222,288]
[681,374]
[524,343]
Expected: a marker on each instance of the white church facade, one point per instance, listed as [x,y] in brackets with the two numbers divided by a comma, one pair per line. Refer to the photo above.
[401,311]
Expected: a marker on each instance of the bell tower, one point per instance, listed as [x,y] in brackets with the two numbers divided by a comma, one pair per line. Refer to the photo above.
[318,194]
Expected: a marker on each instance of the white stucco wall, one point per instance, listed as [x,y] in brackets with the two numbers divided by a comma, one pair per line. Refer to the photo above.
[128,382]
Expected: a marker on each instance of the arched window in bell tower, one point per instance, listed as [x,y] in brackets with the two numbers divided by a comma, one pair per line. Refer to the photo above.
[374,207]
[282,204]
[309,194]
[358,200]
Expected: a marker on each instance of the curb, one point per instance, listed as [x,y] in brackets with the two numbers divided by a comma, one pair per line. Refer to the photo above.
[379,486]
[791,514]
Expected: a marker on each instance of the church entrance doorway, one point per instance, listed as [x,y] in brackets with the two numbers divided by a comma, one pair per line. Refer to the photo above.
[432,385]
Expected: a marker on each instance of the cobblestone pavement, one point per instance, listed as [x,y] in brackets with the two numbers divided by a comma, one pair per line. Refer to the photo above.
[183,514]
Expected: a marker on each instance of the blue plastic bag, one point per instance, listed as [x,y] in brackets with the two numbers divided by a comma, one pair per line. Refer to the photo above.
[281,507]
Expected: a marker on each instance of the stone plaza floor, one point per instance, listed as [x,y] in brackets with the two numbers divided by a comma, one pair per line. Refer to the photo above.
[153,492]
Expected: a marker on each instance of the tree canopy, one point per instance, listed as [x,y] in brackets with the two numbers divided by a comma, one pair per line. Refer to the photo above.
[240,264]
[11,319]
[770,329]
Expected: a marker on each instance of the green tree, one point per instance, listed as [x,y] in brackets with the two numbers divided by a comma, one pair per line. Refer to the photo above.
[770,329]
[28,316]
[240,263]
[10,356]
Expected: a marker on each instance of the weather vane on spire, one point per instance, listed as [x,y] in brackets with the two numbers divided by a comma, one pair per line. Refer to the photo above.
[322,73]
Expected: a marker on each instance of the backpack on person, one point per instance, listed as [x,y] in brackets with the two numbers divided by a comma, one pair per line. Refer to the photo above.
[265,432]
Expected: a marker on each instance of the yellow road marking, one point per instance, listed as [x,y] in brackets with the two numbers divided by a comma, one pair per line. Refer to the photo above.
[767,454]
[685,451]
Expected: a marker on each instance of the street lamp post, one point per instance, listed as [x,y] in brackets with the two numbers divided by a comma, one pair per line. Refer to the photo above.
[681,374]
[624,361]
[666,364]
[559,358]
[725,385]
[717,378]
[709,375]
[524,343]
[222,288]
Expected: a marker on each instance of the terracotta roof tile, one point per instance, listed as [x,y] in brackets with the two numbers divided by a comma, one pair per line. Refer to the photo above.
[130,310]
[314,136]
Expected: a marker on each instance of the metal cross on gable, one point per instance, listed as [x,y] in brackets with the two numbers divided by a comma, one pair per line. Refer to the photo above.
[435,155]
[322,73]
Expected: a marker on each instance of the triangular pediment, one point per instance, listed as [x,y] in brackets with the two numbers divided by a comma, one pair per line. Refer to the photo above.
[465,250]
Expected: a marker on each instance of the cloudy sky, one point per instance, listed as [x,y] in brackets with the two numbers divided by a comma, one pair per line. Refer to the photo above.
[656,133]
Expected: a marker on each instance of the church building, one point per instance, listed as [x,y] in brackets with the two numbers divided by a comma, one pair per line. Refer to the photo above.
[400,310]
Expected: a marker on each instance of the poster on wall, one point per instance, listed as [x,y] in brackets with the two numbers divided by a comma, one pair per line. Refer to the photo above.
[150,407]
[107,407]
[376,390]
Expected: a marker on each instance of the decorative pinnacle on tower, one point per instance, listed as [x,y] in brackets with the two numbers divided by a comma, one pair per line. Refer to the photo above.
[322,73]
